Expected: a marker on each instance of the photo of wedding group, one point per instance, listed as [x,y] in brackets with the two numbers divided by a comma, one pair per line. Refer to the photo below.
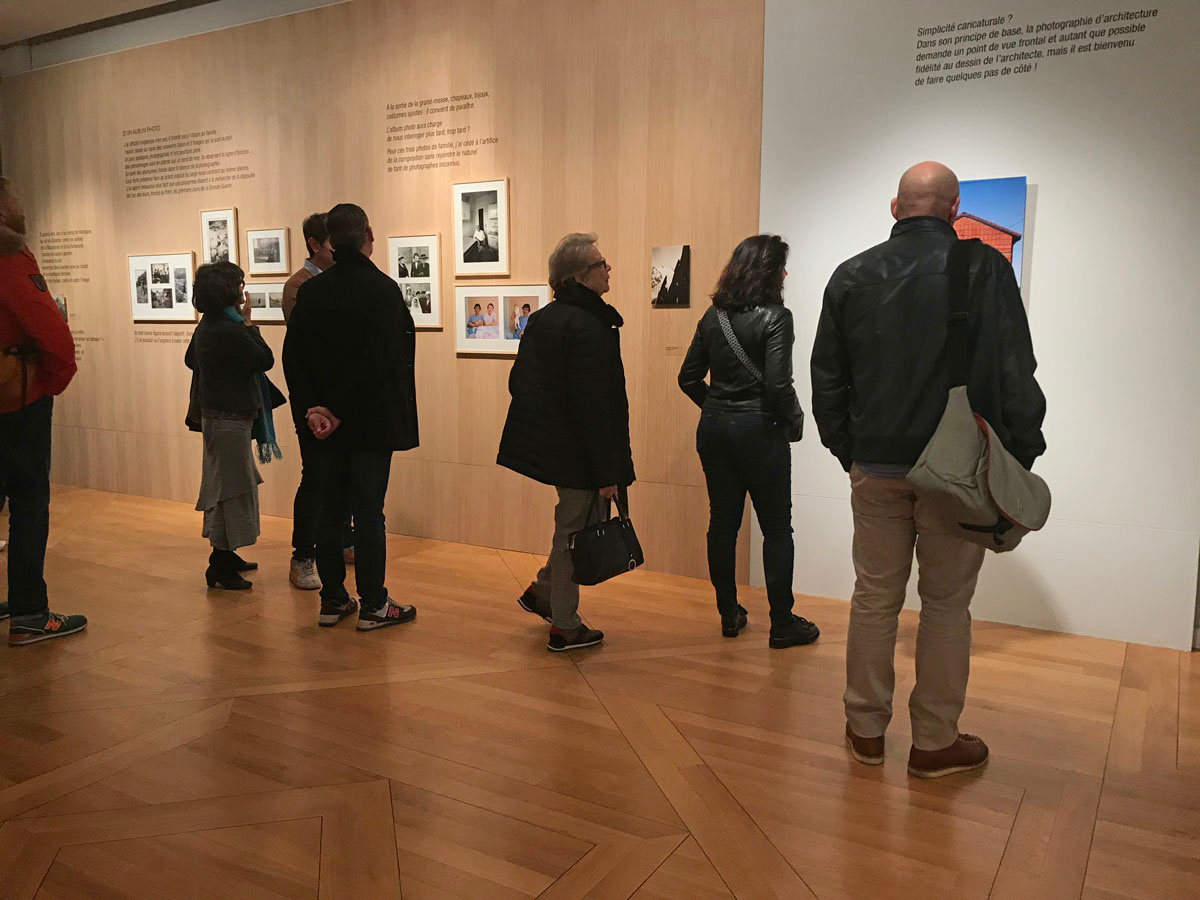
[413,264]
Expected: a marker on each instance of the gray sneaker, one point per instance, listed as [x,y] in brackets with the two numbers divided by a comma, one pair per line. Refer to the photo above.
[303,575]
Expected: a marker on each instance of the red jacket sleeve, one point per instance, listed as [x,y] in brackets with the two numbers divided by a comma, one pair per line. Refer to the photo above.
[26,299]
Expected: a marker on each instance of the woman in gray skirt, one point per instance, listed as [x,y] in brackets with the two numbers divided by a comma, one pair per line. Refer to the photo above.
[227,356]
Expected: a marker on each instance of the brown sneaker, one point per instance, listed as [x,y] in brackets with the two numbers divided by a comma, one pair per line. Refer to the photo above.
[868,751]
[967,752]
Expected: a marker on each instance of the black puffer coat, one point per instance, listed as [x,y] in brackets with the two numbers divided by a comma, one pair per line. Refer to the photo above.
[568,423]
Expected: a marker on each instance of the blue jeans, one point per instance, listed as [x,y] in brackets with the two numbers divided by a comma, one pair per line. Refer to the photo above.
[25,474]
[744,452]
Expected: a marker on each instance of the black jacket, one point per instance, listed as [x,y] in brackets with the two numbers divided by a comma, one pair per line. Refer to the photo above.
[226,357]
[350,346]
[568,423]
[766,334]
[879,368]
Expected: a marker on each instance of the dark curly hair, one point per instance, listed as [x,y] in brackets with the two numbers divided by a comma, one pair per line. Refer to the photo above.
[754,274]
[217,286]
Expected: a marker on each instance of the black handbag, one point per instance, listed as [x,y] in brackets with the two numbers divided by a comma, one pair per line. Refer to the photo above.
[608,548]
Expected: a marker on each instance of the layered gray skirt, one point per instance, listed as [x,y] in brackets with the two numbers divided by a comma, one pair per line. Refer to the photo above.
[229,481]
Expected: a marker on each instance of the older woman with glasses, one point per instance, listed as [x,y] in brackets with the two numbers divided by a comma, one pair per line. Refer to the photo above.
[568,423]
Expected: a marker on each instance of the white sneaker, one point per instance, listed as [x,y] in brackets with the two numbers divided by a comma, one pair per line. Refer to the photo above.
[3,544]
[303,575]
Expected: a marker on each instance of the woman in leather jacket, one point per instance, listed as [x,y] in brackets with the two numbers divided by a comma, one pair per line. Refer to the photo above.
[749,414]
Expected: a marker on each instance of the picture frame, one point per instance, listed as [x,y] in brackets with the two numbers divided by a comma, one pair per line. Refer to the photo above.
[480,228]
[495,328]
[266,302]
[670,276]
[414,262]
[160,287]
[267,251]
[218,236]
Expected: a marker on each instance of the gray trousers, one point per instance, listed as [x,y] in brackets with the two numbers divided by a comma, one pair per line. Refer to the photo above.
[553,586]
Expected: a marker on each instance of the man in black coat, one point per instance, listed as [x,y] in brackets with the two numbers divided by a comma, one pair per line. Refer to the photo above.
[568,423]
[880,376]
[348,359]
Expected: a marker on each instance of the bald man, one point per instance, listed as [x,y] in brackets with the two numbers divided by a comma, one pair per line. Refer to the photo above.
[880,378]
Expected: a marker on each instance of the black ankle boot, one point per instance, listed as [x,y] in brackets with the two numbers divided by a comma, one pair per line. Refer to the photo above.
[223,572]
[732,626]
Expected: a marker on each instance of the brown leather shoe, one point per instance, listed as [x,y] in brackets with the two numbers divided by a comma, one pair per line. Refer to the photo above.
[868,751]
[967,752]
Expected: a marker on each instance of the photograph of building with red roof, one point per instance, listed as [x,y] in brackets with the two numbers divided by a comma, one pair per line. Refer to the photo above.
[993,210]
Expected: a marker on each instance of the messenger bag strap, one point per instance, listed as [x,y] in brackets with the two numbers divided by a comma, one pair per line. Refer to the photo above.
[736,346]
[958,329]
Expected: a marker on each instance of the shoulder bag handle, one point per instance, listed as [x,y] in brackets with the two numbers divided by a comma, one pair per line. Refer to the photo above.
[958,331]
[736,346]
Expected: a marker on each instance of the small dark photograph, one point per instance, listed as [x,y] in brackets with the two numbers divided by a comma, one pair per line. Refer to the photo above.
[160,273]
[181,291]
[160,298]
[141,286]
[267,250]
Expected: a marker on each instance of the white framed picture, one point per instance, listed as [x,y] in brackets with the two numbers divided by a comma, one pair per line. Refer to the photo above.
[218,235]
[267,251]
[481,228]
[491,319]
[266,302]
[160,287]
[413,262]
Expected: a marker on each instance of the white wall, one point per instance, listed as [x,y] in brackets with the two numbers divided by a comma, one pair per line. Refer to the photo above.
[1109,144]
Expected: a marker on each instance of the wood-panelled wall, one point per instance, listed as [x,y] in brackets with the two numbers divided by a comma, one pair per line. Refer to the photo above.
[639,121]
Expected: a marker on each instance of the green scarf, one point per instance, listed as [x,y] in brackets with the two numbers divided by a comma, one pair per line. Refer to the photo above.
[263,430]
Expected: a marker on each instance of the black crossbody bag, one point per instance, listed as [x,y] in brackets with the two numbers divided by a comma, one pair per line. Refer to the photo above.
[608,548]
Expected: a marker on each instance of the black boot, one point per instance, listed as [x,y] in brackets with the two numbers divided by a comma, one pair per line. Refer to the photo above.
[242,565]
[223,572]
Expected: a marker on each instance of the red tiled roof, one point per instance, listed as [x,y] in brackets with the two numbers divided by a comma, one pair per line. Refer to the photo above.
[1016,235]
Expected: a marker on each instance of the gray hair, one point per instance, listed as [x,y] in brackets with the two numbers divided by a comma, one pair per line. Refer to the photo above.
[570,258]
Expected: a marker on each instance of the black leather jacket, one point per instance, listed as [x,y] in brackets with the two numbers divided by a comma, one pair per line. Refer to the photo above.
[879,369]
[766,334]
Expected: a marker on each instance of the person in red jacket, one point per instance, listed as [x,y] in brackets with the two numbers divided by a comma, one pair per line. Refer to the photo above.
[37,362]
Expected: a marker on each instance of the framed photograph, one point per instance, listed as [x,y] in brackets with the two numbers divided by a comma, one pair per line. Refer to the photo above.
[267,251]
[218,235]
[413,262]
[160,287]
[993,210]
[266,302]
[671,276]
[491,319]
[481,228]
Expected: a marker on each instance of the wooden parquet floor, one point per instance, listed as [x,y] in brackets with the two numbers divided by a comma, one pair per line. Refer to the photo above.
[197,744]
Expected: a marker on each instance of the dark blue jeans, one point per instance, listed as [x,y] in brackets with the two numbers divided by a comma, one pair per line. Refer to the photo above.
[25,474]
[744,452]
[358,478]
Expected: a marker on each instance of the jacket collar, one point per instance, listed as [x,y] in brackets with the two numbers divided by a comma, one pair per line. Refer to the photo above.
[351,258]
[927,224]
[10,241]
[575,294]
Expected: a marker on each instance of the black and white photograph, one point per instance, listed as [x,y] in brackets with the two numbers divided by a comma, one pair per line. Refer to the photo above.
[160,287]
[268,251]
[60,300]
[481,220]
[266,303]
[181,285]
[413,264]
[492,318]
[218,235]
[670,276]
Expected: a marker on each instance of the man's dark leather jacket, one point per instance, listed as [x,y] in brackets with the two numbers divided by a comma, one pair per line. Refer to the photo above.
[879,369]
[766,334]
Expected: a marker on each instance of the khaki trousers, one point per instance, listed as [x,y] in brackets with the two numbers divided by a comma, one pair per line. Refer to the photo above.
[889,521]
[553,586]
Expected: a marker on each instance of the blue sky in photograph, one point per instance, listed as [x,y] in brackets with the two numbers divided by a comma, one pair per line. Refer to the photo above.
[999,200]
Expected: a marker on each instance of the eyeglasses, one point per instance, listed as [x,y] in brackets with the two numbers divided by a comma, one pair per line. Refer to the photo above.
[596,265]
